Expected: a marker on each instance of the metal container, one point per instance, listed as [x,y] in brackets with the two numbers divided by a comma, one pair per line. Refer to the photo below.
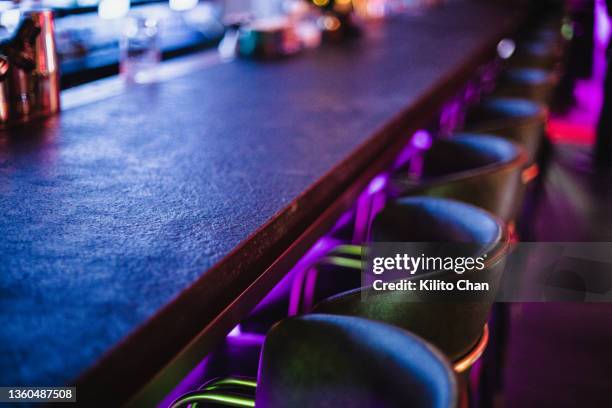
[20,53]
[4,88]
[31,83]
[45,76]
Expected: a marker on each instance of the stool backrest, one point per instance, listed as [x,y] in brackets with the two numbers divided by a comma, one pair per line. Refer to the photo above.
[341,361]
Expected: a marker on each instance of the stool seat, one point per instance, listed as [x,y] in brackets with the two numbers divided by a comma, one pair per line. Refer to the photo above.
[538,53]
[529,83]
[478,169]
[519,120]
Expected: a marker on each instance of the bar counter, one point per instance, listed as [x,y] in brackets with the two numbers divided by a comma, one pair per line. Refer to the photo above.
[143,222]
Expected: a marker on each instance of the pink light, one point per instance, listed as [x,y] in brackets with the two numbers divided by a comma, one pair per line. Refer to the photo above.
[602,24]
[561,131]
[377,184]
[404,156]
[422,140]
[578,126]
[342,222]
[365,209]
[449,117]
[247,339]
[296,293]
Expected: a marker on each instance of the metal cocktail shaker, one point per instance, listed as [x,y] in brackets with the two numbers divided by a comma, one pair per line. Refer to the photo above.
[4,91]
[45,78]
[32,82]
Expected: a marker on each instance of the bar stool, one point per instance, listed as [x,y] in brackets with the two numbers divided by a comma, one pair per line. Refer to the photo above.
[539,53]
[482,170]
[341,361]
[455,327]
[518,120]
[335,361]
[550,33]
[529,83]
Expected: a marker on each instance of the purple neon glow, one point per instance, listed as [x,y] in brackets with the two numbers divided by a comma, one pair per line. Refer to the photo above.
[200,373]
[404,156]
[578,125]
[488,77]
[309,289]
[343,221]
[246,339]
[364,211]
[378,203]
[299,271]
[289,282]
[471,93]
[602,24]
[235,332]
[296,293]
[448,123]
[422,140]
[377,184]
[191,382]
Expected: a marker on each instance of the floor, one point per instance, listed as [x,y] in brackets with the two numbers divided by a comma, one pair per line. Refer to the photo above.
[560,354]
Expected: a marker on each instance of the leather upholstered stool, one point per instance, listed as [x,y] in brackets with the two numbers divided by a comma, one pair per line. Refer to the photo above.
[482,170]
[519,120]
[341,361]
[455,326]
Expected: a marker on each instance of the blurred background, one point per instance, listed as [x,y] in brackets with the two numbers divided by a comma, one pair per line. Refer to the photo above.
[88,32]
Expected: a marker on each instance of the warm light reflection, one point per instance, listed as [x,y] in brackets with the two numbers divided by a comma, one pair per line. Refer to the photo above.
[329,23]
[376,8]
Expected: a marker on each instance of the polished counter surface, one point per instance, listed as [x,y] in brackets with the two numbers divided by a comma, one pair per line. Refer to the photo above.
[112,209]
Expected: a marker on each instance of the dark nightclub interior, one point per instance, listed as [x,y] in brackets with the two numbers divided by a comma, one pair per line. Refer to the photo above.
[306,203]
